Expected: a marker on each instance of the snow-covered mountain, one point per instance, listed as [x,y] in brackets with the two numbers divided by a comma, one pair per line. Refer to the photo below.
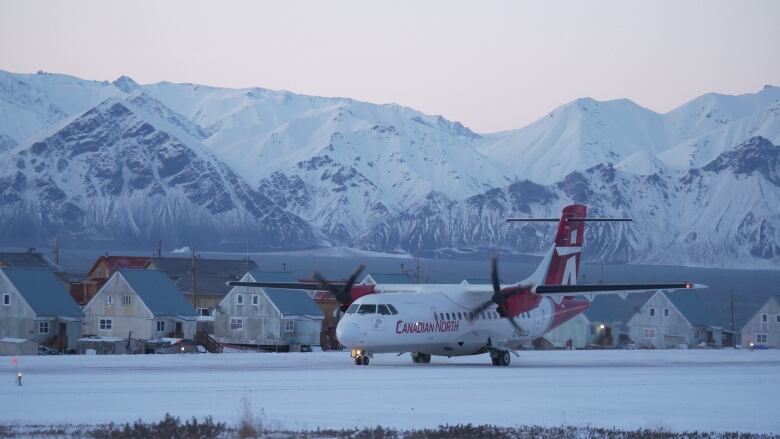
[252,168]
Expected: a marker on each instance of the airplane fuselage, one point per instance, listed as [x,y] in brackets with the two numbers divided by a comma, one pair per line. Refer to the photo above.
[438,320]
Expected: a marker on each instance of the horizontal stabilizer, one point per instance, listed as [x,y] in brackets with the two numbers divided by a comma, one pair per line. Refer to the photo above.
[573,220]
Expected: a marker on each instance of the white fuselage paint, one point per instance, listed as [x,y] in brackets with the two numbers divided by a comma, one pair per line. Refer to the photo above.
[419,326]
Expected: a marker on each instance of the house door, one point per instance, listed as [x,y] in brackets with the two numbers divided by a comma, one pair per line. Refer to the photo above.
[178,333]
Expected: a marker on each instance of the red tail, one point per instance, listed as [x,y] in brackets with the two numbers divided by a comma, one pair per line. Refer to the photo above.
[565,261]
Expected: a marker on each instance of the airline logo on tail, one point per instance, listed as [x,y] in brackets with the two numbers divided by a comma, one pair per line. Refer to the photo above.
[565,262]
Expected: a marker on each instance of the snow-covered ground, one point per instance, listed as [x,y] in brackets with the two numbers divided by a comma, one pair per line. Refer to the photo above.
[705,390]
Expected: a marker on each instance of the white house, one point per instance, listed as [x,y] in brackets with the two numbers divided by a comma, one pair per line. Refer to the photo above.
[268,317]
[34,305]
[674,319]
[763,328]
[140,304]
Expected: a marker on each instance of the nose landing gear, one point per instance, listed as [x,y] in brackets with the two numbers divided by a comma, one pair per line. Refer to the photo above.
[360,356]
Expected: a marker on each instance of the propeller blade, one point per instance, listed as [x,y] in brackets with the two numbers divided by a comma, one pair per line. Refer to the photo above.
[494,275]
[515,324]
[481,308]
[353,278]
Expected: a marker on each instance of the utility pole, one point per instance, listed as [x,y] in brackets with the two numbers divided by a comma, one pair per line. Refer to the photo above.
[732,310]
[194,289]
[159,248]
[56,250]
[417,269]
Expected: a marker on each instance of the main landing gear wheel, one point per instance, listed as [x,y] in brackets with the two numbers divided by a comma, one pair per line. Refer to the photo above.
[500,358]
[365,360]
[419,357]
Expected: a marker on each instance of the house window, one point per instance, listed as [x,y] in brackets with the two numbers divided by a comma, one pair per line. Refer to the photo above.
[7,299]
[760,338]
[650,332]
[236,323]
[289,325]
[109,299]
[652,312]
[764,318]
[203,312]
[666,312]
[255,299]
[106,324]
[43,327]
[125,299]
[160,325]
[777,318]
[239,299]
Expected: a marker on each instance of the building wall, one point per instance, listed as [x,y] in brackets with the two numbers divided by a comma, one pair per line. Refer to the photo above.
[134,319]
[17,318]
[669,331]
[210,301]
[756,326]
[576,329]
[262,323]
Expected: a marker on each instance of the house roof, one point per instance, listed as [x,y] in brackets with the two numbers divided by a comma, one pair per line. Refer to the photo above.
[28,259]
[389,278]
[611,308]
[691,306]
[293,302]
[177,267]
[45,294]
[205,284]
[114,263]
[158,292]
[272,276]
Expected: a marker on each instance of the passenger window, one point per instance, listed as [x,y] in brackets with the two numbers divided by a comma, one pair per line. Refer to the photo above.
[352,308]
[392,309]
[384,310]
[483,316]
[367,309]
[448,316]
[459,316]
[441,316]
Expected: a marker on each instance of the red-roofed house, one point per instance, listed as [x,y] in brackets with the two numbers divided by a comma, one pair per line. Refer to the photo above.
[103,268]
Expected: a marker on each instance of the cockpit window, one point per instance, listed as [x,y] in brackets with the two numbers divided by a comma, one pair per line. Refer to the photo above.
[352,308]
[392,309]
[383,310]
[367,309]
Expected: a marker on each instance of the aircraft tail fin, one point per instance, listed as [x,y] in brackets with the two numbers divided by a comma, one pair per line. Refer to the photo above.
[561,264]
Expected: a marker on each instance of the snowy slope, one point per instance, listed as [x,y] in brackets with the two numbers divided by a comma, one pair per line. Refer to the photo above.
[118,174]
[577,136]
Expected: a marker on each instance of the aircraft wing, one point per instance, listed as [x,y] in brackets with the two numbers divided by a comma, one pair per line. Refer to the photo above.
[284,285]
[591,290]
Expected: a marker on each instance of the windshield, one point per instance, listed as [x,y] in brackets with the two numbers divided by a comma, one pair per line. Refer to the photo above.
[352,308]
[367,309]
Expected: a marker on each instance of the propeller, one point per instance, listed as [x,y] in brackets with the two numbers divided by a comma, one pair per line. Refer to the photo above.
[341,293]
[499,298]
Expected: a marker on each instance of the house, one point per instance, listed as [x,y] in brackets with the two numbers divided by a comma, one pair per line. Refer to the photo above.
[609,316]
[83,289]
[268,318]
[210,277]
[576,329]
[140,304]
[676,319]
[30,258]
[35,305]
[763,328]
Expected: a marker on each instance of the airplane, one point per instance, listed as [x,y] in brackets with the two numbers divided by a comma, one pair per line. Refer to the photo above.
[461,319]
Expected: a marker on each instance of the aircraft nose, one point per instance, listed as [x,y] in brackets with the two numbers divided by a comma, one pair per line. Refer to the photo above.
[348,333]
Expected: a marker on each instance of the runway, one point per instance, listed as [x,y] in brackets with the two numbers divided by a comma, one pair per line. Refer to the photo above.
[725,390]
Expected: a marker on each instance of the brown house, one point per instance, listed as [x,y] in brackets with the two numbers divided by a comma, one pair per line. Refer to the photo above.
[104,267]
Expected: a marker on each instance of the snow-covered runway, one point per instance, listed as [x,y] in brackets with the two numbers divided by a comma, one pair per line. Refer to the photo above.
[703,390]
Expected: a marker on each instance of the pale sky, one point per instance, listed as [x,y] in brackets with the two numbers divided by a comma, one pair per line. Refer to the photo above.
[492,65]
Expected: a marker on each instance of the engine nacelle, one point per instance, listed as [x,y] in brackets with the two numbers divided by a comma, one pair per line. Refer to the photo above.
[519,302]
